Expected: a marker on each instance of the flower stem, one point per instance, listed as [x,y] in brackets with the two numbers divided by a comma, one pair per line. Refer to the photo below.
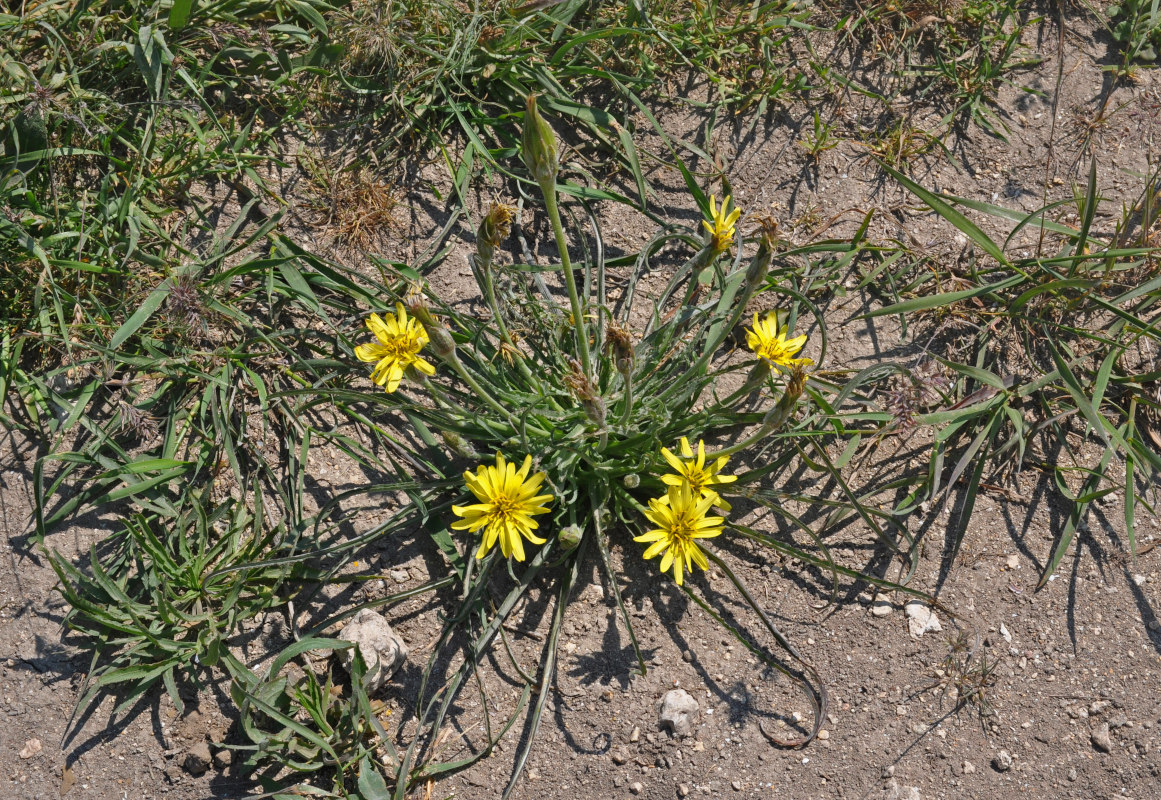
[628,399]
[548,189]
[474,385]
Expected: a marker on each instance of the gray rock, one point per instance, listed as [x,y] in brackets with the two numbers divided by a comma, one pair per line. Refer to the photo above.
[400,575]
[1002,762]
[197,759]
[678,712]
[1101,739]
[635,734]
[1098,706]
[620,757]
[968,768]
[736,785]
[1072,774]
[682,790]
[881,607]
[636,787]
[223,758]
[382,650]
[921,619]
[893,791]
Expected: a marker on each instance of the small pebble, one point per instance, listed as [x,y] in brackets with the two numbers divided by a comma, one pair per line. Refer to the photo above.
[1002,762]
[635,734]
[1101,739]
[1072,774]
[823,735]
[636,787]
[968,768]
[682,790]
[737,785]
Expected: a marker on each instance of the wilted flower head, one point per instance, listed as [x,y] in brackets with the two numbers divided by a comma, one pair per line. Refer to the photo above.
[586,392]
[494,229]
[399,340]
[618,342]
[722,230]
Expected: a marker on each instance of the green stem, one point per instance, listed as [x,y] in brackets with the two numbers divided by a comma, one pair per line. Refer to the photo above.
[713,345]
[474,385]
[548,188]
[628,409]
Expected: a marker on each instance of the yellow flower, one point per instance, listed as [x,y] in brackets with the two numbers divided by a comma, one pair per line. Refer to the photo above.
[771,344]
[695,473]
[400,340]
[722,231]
[508,501]
[680,518]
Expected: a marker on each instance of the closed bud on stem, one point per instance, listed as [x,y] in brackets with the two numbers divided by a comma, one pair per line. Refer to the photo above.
[539,144]
[757,376]
[778,415]
[460,446]
[442,343]
[570,536]
[631,481]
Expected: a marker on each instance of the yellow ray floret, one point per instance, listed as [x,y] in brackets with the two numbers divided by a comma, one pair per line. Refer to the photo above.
[771,344]
[722,230]
[702,478]
[508,501]
[681,518]
[399,341]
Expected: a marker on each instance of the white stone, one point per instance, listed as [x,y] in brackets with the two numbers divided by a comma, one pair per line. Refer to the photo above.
[382,649]
[678,712]
[1005,633]
[921,619]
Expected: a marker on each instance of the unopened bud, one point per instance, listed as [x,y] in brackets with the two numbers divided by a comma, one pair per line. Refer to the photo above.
[776,417]
[631,481]
[570,536]
[459,445]
[442,343]
[539,144]
[760,264]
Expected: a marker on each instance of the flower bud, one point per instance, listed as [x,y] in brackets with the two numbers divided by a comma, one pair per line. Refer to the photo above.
[459,445]
[777,416]
[631,481]
[539,144]
[442,343]
[570,536]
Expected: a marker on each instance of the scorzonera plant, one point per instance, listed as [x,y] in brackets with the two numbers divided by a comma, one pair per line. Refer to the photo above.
[584,419]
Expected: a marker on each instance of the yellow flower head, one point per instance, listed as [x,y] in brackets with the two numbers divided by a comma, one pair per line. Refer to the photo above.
[399,341]
[700,477]
[680,517]
[508,501]
[722,231]
[771,344]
